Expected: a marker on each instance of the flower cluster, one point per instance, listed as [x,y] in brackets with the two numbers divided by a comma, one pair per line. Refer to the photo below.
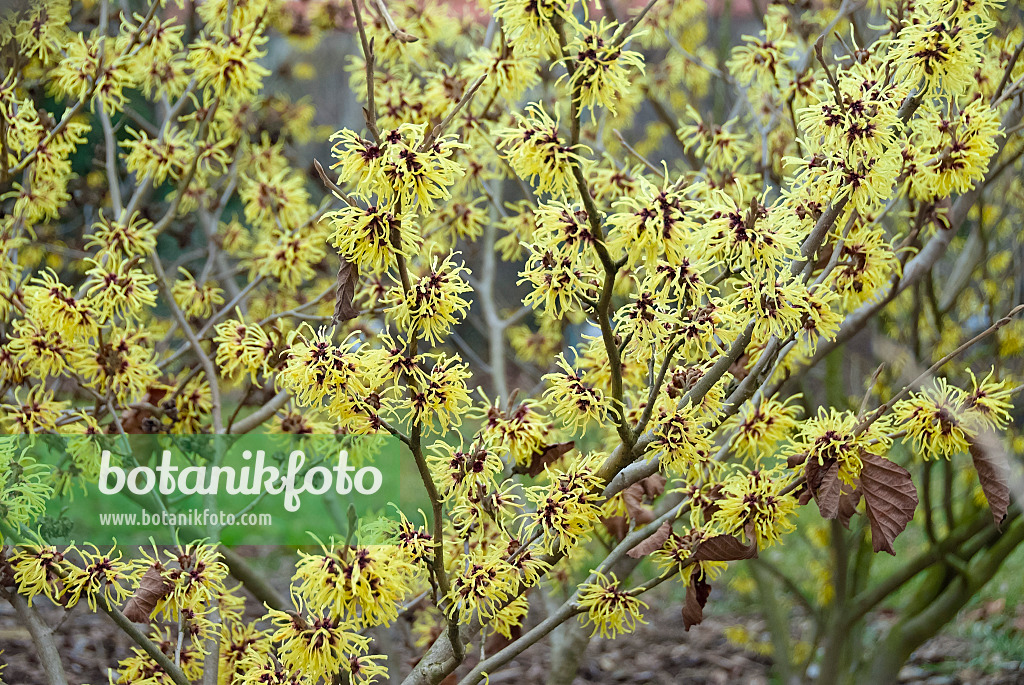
[583,270]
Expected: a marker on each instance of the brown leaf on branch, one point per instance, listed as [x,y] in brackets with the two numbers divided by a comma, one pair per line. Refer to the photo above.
[795,460]
[739,367]
[824,485]
[889,499]
[696,598]
[547,455]
[727,548]
[633,496]
[848,500]
[803,494]
[652,543]
[653,485]
[616,526]
[152,588]
[994,473]
[136,420]
[345,292]
[709,502]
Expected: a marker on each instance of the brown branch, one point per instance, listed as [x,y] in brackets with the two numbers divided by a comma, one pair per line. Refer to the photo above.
[875,415]
[42,637]
[162,660]
[370,112]
[436,132]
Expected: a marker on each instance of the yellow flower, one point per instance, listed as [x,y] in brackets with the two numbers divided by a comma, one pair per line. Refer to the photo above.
[360,160]
[434,303]
[989,400]
[755,498]
[777,306]
[611,610]
[484,583]
[315,367]
[123,238]
[374,237]
[568,507]
[195,300]
[601,73]
[457,220]
[520,431]
[757,238]
[37,414]
[439,396]
[759,427]
[288,258]
[935,420]
[123,365]
[230,69]
[684,442]
[560,282]
[99,575]
[414,175]
[164,157]
[952,156]
[275,198]
[92,65]
[510,74]
[119,290]
[40,352]
[575,402]
[360,584]
[529,24]
[763,61]
[940,51]
[242,347]
[865,265]
[39,570]
[43,30]
[191,406]
[536,152]
[310,642]
[832,437]
[654,224]
[459,472]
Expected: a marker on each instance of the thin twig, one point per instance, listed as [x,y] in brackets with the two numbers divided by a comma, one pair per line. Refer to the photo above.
[438,130]
[875,415]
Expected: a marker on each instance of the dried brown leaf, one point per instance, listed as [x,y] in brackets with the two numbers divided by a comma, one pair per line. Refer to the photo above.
[696,599]
[152,588]
[824,484]
[547,455]
[633,496]
[653,485]
[794,460]
[889,499]
[726,548]
[617,526]
[994,473]
[710,505]
[848,500]
[653,543]
[345,291]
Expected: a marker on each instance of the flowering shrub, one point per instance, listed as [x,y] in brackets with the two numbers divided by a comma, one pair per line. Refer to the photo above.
[675,301]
